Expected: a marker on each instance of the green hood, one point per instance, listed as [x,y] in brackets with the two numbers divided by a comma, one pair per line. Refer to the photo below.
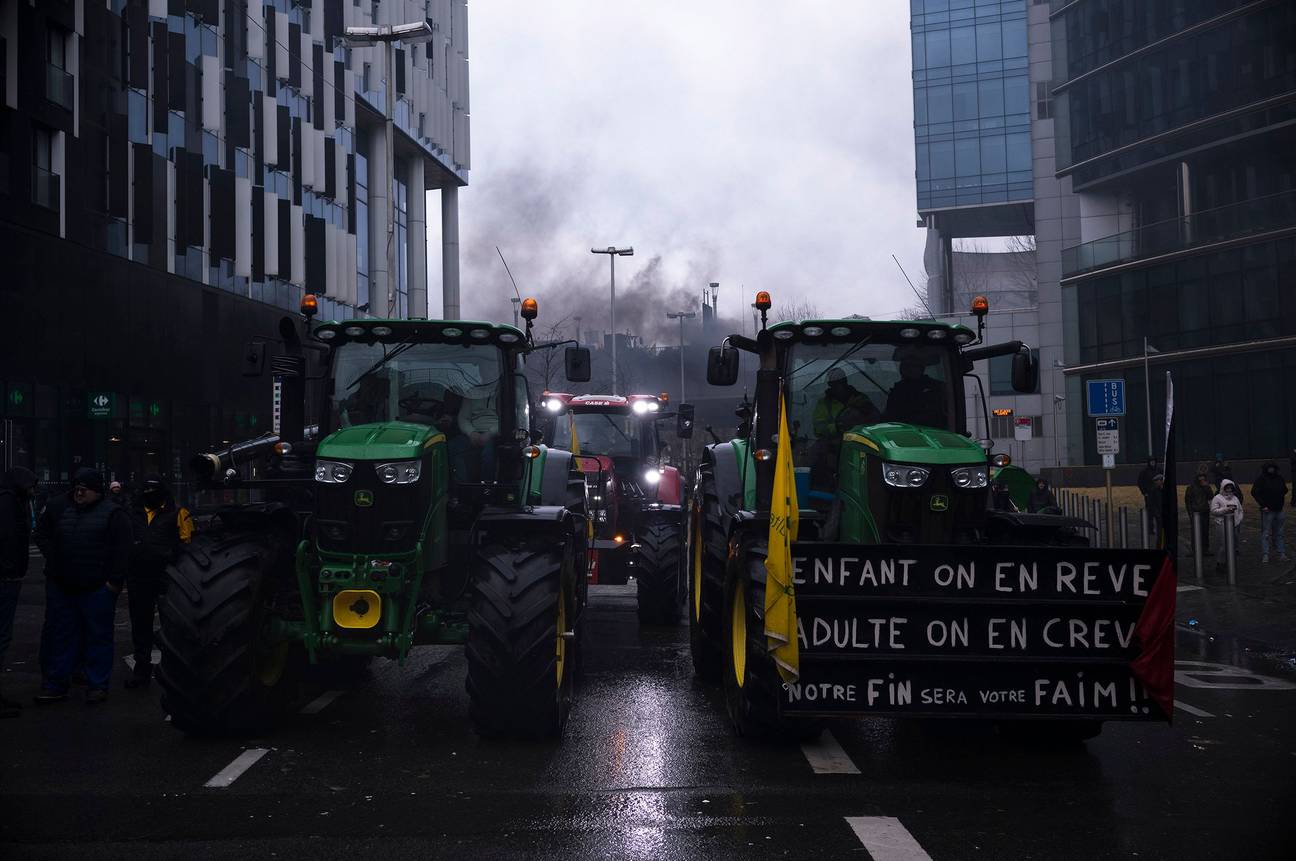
[902,443]
[379,441]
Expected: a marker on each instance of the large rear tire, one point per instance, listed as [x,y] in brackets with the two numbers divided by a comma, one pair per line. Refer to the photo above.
[705,555]
[752,685]
[658,574]
[522,648]
[220,673]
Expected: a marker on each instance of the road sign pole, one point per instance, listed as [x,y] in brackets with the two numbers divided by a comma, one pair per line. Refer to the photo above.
[1108,473]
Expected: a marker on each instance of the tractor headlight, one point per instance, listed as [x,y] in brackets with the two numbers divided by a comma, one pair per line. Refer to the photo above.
[400,472]
[970,477]
[652,476]
[899,475]
[332,471]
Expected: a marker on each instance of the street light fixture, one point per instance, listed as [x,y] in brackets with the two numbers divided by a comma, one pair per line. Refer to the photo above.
[613,253]
[388,35]
[681,316]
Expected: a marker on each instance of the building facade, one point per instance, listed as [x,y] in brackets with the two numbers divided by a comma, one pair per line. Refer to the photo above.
[175,175]
[1176,130]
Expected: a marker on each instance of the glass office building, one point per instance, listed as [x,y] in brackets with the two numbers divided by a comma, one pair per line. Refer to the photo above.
[971,103]
[1176,126]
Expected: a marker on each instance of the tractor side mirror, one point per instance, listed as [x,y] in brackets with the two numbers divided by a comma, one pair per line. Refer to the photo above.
[684,421]
[254,353]
[722,366]
[578,364]
[1025,372]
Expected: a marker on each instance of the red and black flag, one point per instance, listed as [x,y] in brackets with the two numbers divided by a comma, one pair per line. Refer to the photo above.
[1154,666]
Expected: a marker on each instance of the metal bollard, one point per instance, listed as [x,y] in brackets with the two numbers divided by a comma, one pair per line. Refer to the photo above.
[1230,547]
[1104,540]
[1124,528]
[1143,527]
[1197,546]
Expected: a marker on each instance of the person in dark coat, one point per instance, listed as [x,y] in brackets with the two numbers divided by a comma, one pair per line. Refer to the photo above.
[91,546]
[160,527]
[1197,500]
[16,488]
[1220,470]
[1041,498]
[1154,499]
[1270,491]
[1000,497]
[1146,477]
[45,536]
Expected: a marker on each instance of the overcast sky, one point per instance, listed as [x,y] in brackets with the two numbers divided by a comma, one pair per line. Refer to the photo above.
[761,145]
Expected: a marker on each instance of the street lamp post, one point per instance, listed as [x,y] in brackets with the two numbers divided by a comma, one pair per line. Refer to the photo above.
[681,316]
[613,253]
[388,35]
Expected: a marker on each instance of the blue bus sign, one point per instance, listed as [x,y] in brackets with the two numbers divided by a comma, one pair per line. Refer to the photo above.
[1105,397]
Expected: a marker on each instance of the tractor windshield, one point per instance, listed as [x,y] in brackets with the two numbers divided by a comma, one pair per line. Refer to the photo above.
[611,434]
[452,387]
[834,387]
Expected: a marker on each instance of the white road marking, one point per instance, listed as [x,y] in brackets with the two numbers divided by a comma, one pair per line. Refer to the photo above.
[1185,587]
[886,839]
[1192,710]
[235,769]
[321,702]
[827,757]
[1204,674]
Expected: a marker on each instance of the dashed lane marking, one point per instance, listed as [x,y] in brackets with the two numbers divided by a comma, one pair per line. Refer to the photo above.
[1187,587]
[235,769]
[886,839]
[321,702]
[1192,710]
[826,756]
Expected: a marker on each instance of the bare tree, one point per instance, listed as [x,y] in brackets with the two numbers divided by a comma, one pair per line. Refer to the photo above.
[802,309]
[1021,259]
[545,364]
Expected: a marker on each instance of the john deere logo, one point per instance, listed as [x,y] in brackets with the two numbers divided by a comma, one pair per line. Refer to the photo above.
[364,498]
[939,502]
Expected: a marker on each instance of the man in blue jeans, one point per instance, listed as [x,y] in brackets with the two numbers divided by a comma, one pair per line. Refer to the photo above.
[16,488]
[1270,491]
[92,545]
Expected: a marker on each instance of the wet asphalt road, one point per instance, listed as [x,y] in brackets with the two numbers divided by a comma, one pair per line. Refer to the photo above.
[386,762]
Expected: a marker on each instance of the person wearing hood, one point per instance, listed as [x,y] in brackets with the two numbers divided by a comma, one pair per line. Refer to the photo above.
[1220,470]
[117,494]
[160,527]
[1226,505]
[91,545]
[17,486]
[1270,491]
[1041,497]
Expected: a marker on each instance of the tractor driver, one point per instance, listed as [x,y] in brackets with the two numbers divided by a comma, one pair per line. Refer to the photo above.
[472,450]
[841,408]
[916,398]
[368,403]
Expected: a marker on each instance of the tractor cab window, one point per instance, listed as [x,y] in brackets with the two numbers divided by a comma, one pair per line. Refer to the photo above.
[834,387]
[451,387]
[612,434]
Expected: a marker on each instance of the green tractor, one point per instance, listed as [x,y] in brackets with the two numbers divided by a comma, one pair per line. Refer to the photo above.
[913,595]
[416,510]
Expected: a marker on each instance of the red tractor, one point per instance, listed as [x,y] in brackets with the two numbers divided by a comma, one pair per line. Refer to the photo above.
[634,491]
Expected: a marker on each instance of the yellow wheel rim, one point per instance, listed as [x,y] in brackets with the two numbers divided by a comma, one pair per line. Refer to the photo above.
[738,646]
[697,567]
[561,647]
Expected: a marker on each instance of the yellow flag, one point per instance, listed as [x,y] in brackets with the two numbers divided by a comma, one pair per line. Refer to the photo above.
[780,601]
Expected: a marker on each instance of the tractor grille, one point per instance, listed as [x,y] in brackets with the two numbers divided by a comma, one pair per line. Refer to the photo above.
[389,525]
[908,516]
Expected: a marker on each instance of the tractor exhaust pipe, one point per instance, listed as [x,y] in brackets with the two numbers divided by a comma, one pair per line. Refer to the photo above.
[212,466]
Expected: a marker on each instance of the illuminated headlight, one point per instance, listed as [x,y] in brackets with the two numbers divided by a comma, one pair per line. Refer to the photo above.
[653,406]
[640,407]
[332,472]
[970,477]
[899,475]
[553,405]
[401,472]
[652,476]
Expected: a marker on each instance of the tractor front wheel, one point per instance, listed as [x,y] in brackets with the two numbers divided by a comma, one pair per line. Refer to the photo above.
[221,672]
[658,575]
[522,645]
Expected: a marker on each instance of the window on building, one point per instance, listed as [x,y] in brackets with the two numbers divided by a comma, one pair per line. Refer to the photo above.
[361,200]
[1044,100]
[364,77]
[1001,376]
[58,83]
[45,182]
[400,194]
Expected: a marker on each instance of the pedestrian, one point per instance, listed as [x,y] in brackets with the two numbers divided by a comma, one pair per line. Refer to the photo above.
[1270,491]
[1145,482]
[160,527]
[91,544]
[45,535]
[1220,470]
[117,493]
[1000,496]
[1154,499]
[17,486]
[1226,504]
[1197,500]
[1041,498]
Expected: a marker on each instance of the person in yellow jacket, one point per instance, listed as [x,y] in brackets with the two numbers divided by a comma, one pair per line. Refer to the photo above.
[841,408]
[160,528]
